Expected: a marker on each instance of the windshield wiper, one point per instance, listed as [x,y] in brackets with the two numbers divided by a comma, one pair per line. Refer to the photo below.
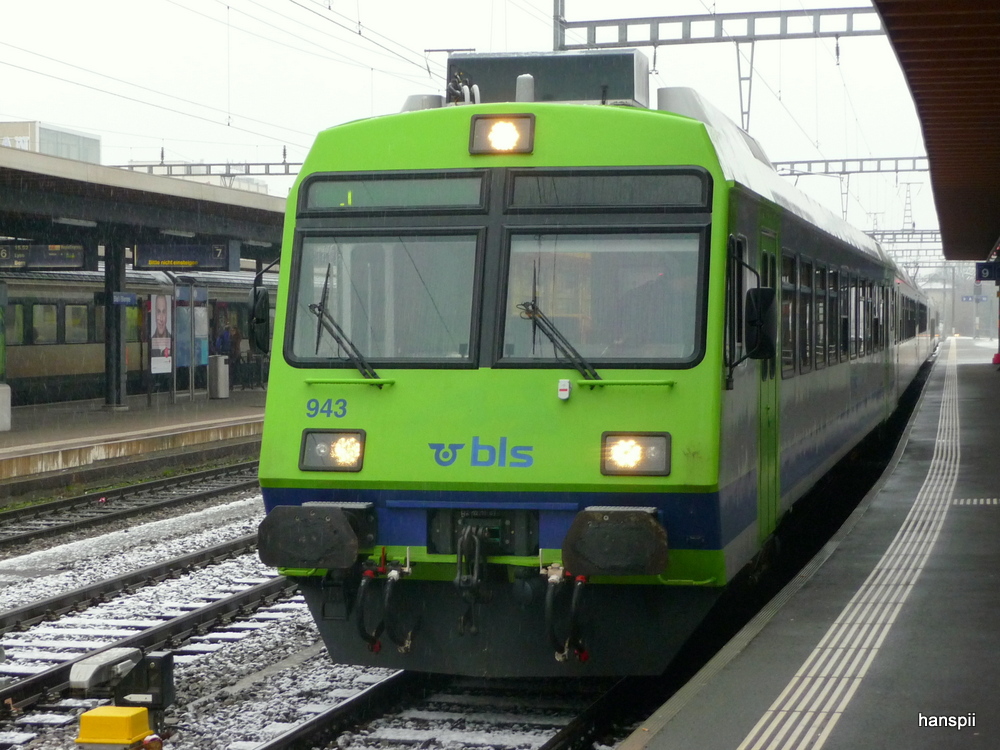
[325,321]
[530,311]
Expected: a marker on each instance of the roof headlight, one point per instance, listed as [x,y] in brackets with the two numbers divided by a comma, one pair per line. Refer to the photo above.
[635,453]
[502,134]
[332,450]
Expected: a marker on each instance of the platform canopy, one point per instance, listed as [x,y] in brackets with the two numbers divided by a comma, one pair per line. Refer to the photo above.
[950,55]
[51,200]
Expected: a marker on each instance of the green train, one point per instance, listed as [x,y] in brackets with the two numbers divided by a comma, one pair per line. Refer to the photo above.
[550,366]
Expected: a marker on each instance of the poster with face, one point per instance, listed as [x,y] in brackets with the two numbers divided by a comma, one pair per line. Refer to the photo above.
[160,339]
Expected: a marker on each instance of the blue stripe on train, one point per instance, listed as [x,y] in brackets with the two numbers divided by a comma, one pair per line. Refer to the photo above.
[805,458]
[693,520]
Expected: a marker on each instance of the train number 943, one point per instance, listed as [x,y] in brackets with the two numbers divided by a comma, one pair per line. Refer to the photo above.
[328,408]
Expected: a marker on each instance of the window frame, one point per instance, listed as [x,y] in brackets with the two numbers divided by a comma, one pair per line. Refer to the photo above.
[470,362]
[805,315]
[304,211]
[820,292]
[701,302]
[788,324]
[705,205]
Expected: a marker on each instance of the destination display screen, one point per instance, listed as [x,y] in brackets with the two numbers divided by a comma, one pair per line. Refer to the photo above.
[41,256]
[395,193]
[181,257]
[644,190]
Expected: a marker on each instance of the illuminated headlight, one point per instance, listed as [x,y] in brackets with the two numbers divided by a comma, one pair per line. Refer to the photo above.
[332,450]
[502,134]
[638,453]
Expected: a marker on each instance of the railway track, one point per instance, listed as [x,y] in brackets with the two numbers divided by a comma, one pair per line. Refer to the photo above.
[43,640]
[84,511]
[409,709]
[190,605]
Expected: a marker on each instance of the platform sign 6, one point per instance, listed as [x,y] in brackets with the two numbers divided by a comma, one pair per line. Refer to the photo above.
[987,271]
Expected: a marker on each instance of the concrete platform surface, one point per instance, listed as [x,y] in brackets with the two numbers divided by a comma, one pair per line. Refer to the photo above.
[890,637]
[65,436]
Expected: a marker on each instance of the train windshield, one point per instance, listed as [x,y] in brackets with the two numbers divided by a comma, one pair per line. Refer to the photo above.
[393,297]
[613,296]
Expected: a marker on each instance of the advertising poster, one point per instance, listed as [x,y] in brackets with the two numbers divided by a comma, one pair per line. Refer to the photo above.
[160,336]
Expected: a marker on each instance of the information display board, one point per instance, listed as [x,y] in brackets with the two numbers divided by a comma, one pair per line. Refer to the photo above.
[14,255]
[181,257]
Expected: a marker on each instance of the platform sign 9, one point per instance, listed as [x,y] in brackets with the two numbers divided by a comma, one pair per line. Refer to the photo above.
[987,271]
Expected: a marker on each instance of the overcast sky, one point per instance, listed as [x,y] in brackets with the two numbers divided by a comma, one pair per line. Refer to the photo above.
[242,80]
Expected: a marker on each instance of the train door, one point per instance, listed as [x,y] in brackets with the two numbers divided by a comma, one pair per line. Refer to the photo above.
[769,455]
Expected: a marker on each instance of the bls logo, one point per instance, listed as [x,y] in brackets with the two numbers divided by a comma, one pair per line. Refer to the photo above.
[484,454]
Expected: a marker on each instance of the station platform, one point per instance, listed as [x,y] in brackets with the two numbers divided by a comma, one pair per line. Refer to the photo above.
[58,444]
[890,637]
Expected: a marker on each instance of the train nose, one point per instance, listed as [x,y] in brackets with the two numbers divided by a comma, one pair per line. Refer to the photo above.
[616,541]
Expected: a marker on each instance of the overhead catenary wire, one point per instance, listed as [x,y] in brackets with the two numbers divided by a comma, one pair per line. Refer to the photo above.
[420,63]
[226,112]
[812,139]
[134,85]
[326,53]
[140,101]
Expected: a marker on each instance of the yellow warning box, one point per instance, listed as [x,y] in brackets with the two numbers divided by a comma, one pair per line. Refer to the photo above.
[120,726]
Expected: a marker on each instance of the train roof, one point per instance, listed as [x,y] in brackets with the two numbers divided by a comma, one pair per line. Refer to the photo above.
[151,279]
[743,161]
[621,77]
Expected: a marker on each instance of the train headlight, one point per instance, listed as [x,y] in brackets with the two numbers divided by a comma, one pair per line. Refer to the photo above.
[635,453]
[332,450]
[502,134]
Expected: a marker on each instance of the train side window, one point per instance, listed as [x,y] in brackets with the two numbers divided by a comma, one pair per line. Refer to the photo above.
[896,333]
[739,276]
[876,308]
[132,323]
[76,324]
[771,268]
[880,317]
[805,316]
[901,318]
[890,316]
[99,311]
[44,324]
[863,324]
[845,317]
[855,316]
[876,317]
[788,300]
[867,310]
[14,323]
[734,298]
[833,317]
[819,297]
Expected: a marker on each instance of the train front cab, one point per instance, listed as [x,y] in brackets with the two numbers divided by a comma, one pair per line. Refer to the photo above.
[479,436]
